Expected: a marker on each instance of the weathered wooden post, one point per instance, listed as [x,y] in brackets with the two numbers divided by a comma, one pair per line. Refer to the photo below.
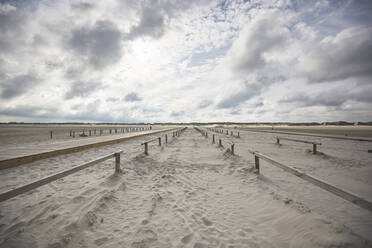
[314,148]
[83,132]
[166,139]
[238,135]
[232,148]
[231,133]
[110,130]
[159,141]
[173,134]
[116,130]
[213,139]
[51,134]
[220,142]
[94,131]
[90,132]
[146,149]
[117,162]
[100,132]
[206,134]
[73,134]
[277,141]
[257,164]
[70,133]
[227,132]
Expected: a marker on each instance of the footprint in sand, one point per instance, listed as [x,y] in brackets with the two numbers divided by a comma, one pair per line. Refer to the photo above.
[187,238]
[206,221]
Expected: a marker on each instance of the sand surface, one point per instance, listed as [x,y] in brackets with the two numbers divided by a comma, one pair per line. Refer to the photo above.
[354,131]
[189,193]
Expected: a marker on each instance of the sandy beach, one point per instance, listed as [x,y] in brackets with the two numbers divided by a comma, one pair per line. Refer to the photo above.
[190,193]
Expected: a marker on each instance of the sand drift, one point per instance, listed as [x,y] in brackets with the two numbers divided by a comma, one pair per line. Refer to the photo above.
[190,193]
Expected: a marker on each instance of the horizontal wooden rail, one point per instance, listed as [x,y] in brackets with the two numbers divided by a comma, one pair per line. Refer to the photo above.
[301,141]
[175,133]
[28,187]
[353,198]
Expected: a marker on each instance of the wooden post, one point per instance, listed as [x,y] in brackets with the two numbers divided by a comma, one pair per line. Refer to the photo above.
[213,139]
[231,133]
[159,141]
[173,134]
[51,134]
[277,141]
[146,149]
[232,148]
[166,139]
[220,142]
[314,148]
[83,132]
[257,164]
[94,131]
[100,132]
[90,132]
[117,163]
[227,132]
[73,134]
[110,130]
[70,133]
[116,130]
[206,134]
[238,135]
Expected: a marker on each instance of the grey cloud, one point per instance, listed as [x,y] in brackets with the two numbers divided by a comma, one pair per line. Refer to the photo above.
[153,16]
[205,103]
[236,99]
[331,98]
[100,44]
[82,89]
[177,113]
[29,111]
[151,24]
[18,85]
[12,23]
[132,97]
[83,6]
[348,54]
[112,99]
[261,36]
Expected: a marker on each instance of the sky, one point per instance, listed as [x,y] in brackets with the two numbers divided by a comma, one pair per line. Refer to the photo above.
[185,61]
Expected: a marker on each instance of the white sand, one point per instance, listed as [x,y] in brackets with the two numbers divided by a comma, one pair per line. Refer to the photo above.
[187,194]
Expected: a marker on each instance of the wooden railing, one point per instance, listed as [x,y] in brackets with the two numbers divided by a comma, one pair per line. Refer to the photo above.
[357,200]
[301,141]
[30,186]
[174,133]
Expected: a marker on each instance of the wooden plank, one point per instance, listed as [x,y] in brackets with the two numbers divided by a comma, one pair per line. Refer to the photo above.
[30,186]
[302,141]
[352,197]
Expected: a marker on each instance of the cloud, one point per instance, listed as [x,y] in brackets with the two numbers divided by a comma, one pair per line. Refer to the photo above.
[261,36]
[83,6]
[99,45]
[177,113]
[235,99]
[345,55]
[331,98]
[112,99]
[12,27]
[29,111]
[205,103]
[151,24]
[132,97]
[18,85]
[82,89]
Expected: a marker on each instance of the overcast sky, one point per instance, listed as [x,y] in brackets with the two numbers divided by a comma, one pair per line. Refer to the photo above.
[185,60]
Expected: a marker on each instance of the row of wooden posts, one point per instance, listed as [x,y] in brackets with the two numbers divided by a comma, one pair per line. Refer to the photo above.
[87,133]
[227,132]
[174,134]
[205,134]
